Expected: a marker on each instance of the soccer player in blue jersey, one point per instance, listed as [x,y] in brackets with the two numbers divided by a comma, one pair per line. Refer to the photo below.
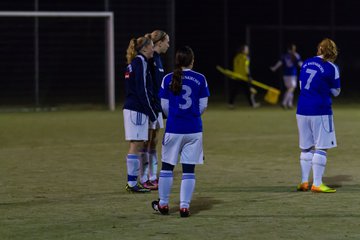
[319,81]
[149,155]
[290,62]
[138,108]
[184,96]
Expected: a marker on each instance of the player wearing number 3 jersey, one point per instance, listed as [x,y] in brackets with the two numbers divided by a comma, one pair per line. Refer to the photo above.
[319,81]
[184,95]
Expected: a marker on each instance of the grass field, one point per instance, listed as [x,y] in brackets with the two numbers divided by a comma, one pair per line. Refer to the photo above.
[62,176]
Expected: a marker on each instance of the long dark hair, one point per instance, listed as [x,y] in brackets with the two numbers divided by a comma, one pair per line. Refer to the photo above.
[184,58]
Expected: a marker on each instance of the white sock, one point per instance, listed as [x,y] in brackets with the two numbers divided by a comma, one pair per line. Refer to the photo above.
[286,98]
[319,163]
[165,184]
[187,189]
[290,99]
[144,163]
[132,163]
[306,164]
[153,164]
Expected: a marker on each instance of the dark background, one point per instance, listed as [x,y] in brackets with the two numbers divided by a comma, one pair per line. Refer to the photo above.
[72,57]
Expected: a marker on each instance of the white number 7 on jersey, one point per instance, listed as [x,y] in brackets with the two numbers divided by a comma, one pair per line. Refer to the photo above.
[309,80]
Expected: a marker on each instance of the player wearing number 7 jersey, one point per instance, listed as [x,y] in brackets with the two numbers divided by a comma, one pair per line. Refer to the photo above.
[319,81]
[184,96]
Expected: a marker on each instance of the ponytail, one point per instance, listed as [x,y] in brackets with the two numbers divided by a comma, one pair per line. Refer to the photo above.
[135,47]
[131,52]
[176,81]
[184,58]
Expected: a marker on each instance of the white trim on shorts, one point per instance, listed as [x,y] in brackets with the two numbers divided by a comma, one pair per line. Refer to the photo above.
[189,146]
[158,123]
[318,131]
[136,125]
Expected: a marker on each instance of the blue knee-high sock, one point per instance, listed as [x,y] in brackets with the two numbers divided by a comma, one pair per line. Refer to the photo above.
[187,189]
[165,184]
[132,163]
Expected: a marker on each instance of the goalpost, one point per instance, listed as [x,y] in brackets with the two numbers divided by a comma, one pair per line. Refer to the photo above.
[109,46]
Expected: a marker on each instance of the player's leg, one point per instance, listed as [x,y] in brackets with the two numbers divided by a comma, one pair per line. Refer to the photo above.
[306,143]
[144,163]
[153,159]
[291,88]
[136,132]
[166,179]
[191,154]
[324,133]
[170,152]
[187,188]
[319,164]
[306,157]
[288,93]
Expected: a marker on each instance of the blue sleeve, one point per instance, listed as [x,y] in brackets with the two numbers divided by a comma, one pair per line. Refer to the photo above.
[335,80]
[141,89]
[163,92]
[204,91]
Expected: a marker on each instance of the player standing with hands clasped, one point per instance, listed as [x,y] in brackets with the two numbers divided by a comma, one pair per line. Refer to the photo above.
[138,109]
[184,97]
[319,79]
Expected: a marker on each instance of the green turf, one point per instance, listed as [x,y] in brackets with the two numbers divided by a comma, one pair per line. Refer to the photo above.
[62,176]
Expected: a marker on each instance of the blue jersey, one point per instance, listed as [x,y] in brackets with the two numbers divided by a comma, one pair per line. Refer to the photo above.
[138,87]
[157,74]
[184,115]
[290,63]
[317,77]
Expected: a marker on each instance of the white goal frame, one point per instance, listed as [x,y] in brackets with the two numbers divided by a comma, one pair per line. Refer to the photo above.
[109,46]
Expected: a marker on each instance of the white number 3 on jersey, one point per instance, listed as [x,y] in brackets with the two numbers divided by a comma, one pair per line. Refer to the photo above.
[310,78]
[186,97]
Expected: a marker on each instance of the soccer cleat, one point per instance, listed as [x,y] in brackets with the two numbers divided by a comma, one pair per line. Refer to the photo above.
[136,189]
[149,185]
[155,183]
[184,212]
[164,210]
[303,187]
[322,189]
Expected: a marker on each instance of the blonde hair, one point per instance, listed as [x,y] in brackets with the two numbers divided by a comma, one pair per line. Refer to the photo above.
[157,36]
[328,49]
[135,46]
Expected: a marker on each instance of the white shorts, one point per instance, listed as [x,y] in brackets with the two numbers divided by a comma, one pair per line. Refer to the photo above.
[189,146]
[316,131]
[158,123]
[136,125]
[290,81]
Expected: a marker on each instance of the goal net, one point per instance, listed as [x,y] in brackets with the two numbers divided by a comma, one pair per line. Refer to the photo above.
[54,58]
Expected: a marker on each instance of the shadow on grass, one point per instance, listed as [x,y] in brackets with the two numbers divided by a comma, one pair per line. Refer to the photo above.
[199,204]
[336,181]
